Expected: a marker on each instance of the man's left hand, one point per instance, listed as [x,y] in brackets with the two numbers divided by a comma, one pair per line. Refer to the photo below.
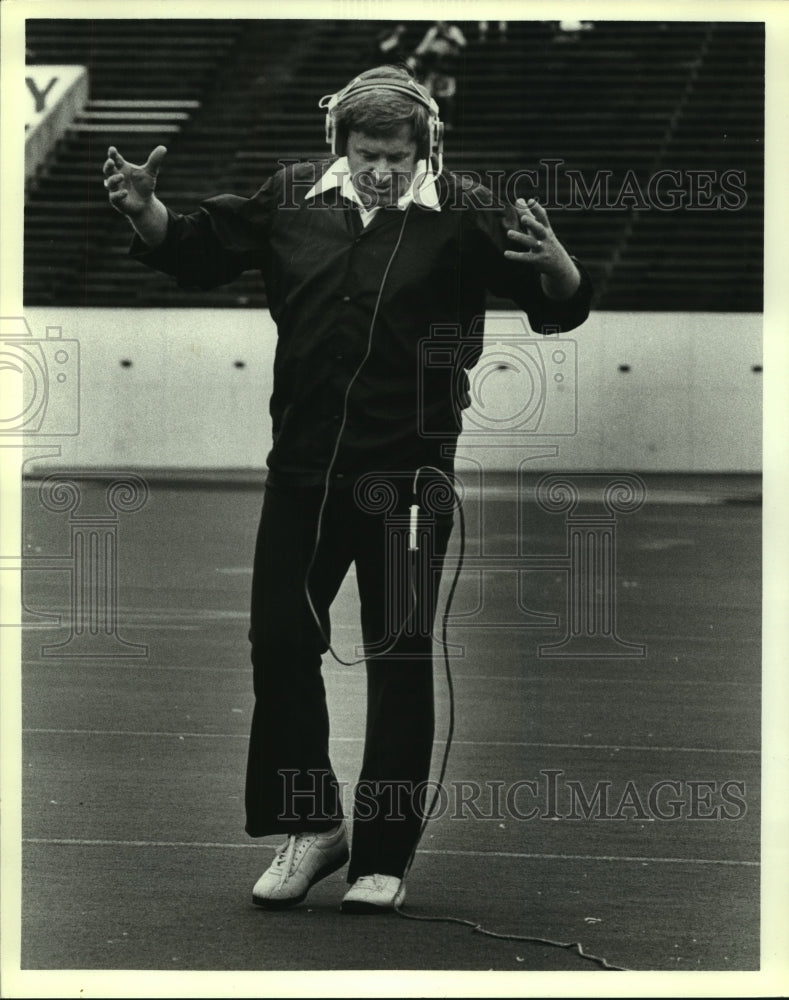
[539,247]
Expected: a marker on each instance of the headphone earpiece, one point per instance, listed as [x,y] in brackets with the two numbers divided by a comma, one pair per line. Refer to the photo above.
[437,141]
[333,136]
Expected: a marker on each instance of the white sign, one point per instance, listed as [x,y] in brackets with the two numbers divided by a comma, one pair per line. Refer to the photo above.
[55,95]
[46,87]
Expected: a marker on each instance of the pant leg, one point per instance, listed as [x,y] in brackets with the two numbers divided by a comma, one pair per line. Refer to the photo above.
[391,792]
[290,783]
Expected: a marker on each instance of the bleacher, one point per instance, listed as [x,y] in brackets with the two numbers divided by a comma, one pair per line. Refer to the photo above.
[232,97]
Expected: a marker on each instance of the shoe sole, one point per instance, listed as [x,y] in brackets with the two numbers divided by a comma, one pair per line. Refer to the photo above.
[284,904]
[357,906]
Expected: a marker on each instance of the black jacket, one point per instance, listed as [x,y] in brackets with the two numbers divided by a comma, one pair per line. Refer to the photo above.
[421,275]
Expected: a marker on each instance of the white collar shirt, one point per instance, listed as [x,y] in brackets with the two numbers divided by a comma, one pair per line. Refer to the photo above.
[422,190]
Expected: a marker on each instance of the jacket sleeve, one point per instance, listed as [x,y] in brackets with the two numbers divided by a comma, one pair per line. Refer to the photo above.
[226,236]
[514,280]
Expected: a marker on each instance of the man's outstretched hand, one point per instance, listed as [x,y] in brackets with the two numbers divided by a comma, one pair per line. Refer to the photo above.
[131,186]
[530,229]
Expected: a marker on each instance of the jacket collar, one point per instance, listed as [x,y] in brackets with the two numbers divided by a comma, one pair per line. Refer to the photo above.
[422,191]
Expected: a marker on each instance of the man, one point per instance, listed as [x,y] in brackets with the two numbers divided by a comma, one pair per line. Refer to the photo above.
[436,60]
[390,45]
[363,258]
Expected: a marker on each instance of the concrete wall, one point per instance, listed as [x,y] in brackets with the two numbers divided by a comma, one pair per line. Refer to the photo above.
[189,389]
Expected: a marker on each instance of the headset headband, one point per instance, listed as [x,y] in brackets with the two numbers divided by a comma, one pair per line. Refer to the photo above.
[409,88]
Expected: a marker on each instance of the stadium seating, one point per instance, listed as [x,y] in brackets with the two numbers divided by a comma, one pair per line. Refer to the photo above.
[230,98]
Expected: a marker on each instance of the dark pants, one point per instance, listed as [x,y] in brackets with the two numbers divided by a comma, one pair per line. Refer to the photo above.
[291,786]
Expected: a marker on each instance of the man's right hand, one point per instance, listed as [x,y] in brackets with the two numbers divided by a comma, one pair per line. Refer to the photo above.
[130,186]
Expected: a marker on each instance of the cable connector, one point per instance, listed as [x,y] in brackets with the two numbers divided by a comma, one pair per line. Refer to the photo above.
[412,542]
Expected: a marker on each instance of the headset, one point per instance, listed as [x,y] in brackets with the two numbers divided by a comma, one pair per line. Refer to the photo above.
[405,86]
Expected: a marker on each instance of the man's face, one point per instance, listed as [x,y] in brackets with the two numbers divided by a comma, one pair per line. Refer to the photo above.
[382,167]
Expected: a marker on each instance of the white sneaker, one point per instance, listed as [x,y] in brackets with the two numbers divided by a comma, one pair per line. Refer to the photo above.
[303,860]
[374,894]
